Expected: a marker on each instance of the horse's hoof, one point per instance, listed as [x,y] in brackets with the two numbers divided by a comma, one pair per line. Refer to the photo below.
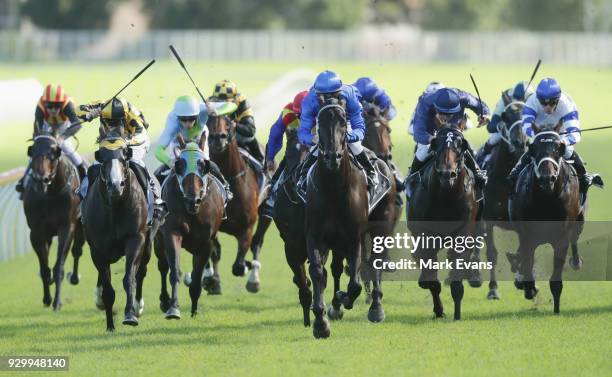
[519,284]
[214,288]
[531,293]
[575,264]
[194,313]
[57,306]
[320,329]
[72,278]
[493,295]
[335,314]
[252,287]
[376,314]
[344,298]
[187,279]
[173,313]
[239,269]
[139,307]
[439,315]
[110,329]
[130,320]
[47,301]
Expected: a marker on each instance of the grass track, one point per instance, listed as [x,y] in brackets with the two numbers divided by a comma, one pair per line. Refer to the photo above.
[243,334]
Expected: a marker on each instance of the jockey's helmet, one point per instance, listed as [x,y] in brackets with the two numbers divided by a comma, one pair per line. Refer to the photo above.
[327,82]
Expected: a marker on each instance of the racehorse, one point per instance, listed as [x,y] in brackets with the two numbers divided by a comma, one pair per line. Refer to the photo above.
[52,209]
[195,203]
[242,209]
[545,208]
[115,222]
[504,155]
[336,211]
[443,195]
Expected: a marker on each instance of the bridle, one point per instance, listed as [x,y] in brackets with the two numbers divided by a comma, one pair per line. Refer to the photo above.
[329,106]
[505,132]
[539,163]
[53,172]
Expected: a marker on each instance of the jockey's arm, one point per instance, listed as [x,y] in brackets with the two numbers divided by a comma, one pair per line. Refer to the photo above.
[496,118]
[307,119]
[275,139]
[571,124]
[167,136]
[472,103]
[245,122]
[421,134]
[529,116]
[355,115]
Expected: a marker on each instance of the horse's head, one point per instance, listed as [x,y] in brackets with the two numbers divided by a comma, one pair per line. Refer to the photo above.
[113,155]
[332,132]
[222,132]
[378,133]
[449,146]
[190,170]
[45,154]
[510,129]
[546,152]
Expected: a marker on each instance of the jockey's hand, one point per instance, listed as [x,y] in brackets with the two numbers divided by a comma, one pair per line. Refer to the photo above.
[483,120]
[351,138]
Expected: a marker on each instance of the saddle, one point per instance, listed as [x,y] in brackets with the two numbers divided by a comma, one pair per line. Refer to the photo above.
[375,194]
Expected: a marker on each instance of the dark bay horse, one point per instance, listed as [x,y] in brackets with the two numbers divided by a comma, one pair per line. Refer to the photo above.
[115,221]
[52,209]
[336,212]
[443,195]
[504,155]
[242,209]
[545,209]
[196,209]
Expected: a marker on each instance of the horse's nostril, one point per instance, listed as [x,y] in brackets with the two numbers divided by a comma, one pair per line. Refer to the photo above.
[338,155]
[122,184]
[453,175]
[198,201]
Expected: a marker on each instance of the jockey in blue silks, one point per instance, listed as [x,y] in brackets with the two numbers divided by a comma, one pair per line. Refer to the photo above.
[328,84]
[547,109]
[442,108]
[372,94]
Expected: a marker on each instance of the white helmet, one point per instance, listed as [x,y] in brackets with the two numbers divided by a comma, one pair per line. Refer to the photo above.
[434,86]
[187,106]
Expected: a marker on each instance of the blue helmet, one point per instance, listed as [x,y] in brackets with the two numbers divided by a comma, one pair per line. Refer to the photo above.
[327,82]
[548,89]
[367,87]
[447,101]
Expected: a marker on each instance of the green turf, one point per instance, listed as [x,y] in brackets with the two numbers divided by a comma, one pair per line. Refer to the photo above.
[243,334]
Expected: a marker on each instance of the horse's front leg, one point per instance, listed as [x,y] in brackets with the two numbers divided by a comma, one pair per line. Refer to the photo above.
[525,274]
[64,238]
[41,247]
[172,245]
[456,282]
[491,257]
[428,279]
[376,312]
[336,311]
[77,252]
[239,268]
[316,257]
[133,254]
[556,281]
[354,287]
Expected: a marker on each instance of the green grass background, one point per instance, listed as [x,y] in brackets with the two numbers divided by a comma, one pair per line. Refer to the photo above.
[243,334]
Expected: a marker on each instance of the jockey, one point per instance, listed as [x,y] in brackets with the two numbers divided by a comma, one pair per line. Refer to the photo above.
[226,91]
[287,123]
[328,84]
[188,118]
[372,94]
[549,107]
[55,112]
[120,113]
[445,107]
[521,92]
[431,88]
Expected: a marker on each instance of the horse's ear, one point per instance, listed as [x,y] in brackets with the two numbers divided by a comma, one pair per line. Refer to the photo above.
[179,166]
[506,98]
[30,151]
[202,166]
[433,144]
[128,153]
[97,156]
[465,146]
[57,152]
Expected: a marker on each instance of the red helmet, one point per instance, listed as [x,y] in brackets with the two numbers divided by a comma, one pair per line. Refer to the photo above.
[54,93]
[297,101]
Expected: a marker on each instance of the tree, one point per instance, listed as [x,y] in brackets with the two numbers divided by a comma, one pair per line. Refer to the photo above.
[68,14]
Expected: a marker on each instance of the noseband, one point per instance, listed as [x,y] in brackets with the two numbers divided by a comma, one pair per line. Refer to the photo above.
[539,163]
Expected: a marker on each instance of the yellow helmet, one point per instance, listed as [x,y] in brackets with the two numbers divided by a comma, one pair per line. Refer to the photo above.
[225,90]
[116,109]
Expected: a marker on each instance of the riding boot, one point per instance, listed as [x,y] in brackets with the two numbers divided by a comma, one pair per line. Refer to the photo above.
[513,176]
[416,165]
[213,168]
[583,178]
[255,150]
[20,185]
[399,182]
[479,175]
[82,170]
[365,162]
